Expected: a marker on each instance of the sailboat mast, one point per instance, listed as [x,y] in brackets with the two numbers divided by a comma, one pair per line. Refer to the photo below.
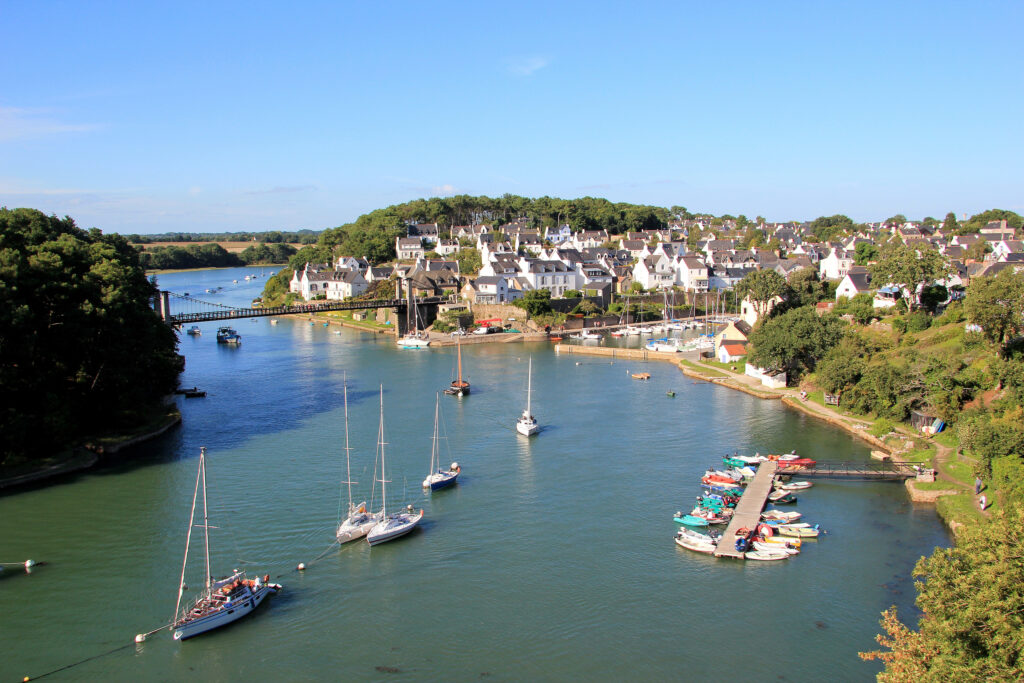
[188,536]
[380,441]
[458,346]
[206,519]
[529,385]
[348,460]
[434,464]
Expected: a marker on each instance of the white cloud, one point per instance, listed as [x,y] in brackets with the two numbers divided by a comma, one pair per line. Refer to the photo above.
[526,66]
[438,190]
[194,190]
[22,124]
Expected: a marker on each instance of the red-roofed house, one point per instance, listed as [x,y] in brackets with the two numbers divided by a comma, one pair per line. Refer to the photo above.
[731,351]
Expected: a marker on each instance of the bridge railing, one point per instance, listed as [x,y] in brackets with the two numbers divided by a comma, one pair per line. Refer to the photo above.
[856,470]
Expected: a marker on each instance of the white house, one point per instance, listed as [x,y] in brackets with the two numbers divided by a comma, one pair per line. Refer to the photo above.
[776,381]
[854,283]
[836,265]
[748,312]
[654,272]
[562,233]
[447,247]
[691,274]
[731,351]
[342,284]
[408,248]
[554,276]
[494,289]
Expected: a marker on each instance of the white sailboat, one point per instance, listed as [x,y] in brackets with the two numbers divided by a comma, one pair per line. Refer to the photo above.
[527,423]
[438,478]
[224,600]
[358,522]
[414,339]
[397,524]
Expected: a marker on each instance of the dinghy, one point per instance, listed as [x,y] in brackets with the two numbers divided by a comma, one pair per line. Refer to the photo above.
[689,520]
[798,531]
[775,547]
[795,485]
[766,555]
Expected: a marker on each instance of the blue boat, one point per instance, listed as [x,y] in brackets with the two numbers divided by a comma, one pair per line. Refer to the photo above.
[438,478]
[689,520]
[226,335]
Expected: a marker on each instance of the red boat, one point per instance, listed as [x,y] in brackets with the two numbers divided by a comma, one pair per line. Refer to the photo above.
[799,463]
[710,479]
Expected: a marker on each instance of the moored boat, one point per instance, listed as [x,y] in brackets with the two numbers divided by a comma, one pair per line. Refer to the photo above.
[766,555]
[222,601]
[227,335]
[194,330]
[438,478]
[396,524]
[689,520]
[798,531]
[527,423]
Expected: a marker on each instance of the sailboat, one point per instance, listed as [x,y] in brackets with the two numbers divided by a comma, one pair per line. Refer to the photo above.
[224,600]
[527,423]
[459,387]
[397,524]
[438,478]
[359,521]
[414,339]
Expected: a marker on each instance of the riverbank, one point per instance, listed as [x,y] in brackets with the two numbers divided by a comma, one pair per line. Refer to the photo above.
[89,454]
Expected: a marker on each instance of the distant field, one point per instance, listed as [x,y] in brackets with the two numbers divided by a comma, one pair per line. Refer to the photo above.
[232,247]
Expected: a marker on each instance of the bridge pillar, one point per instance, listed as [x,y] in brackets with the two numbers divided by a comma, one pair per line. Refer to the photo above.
[165,306]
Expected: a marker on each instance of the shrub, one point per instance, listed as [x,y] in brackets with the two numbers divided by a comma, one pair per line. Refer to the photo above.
[918,321]
[881,427]
[899,325]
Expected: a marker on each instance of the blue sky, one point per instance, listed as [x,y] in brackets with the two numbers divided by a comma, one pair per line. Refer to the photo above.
[145,117]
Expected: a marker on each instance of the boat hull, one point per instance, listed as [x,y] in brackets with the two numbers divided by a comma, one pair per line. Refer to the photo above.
[690,520]
[392,527]
[225,615]
[413,343]
[440,480]
[696,546]
[357,525]
[527,428]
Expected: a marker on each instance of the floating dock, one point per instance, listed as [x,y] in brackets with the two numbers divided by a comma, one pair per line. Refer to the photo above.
[748,511]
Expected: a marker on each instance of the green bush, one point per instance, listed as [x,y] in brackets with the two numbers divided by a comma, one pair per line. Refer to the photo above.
[918,321]
[899,325]
[881,427]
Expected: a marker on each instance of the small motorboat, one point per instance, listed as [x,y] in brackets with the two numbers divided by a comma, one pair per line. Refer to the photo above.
[780,497]
[776,547]
[641,375]
[798,531]
[706,547]
[794,485]
[227,335]
[689,520]
[780,516]
[670,394]
[194,330]
[766,555]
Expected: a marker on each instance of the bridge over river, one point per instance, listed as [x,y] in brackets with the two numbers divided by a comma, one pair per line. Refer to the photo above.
[178,309]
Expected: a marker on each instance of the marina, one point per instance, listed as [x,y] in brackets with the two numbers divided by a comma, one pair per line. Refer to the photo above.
[748,512]
[550,597]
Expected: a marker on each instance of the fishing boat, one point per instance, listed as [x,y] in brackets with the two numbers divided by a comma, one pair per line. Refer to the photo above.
[226,335]
[588,335]
[438,478]
[396,524]
[194,330]
[766,555]
[459,387]
[358,522]
[221,601]
[527,423]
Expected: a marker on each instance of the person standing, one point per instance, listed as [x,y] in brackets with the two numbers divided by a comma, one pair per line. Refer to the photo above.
[977,485]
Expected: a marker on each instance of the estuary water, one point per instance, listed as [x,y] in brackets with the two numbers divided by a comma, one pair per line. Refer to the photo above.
[552,559]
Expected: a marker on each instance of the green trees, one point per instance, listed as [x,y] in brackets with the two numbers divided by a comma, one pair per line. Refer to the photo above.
[762,286]
[826,228]
[535,302]
[794,341]
[83,349]
[997,304]
[469,261]
[806,287]
[909,268]
[972,601]
[950,224]
[864,253]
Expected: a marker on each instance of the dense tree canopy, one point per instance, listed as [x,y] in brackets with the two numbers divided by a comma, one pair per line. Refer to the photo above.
[81,347]
[997,304]
[762,287]
[909,268]
[826,228]
[794,341]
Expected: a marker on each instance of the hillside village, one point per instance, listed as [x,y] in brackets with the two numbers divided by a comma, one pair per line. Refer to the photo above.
[689,256]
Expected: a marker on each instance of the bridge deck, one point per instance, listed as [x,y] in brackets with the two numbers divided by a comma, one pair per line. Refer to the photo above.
[228,313]
[850,470]
[748,511]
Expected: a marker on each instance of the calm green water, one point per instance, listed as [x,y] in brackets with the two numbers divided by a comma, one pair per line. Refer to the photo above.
[552,560]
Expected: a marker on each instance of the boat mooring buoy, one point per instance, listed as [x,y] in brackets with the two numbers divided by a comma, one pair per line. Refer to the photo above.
[302,566]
